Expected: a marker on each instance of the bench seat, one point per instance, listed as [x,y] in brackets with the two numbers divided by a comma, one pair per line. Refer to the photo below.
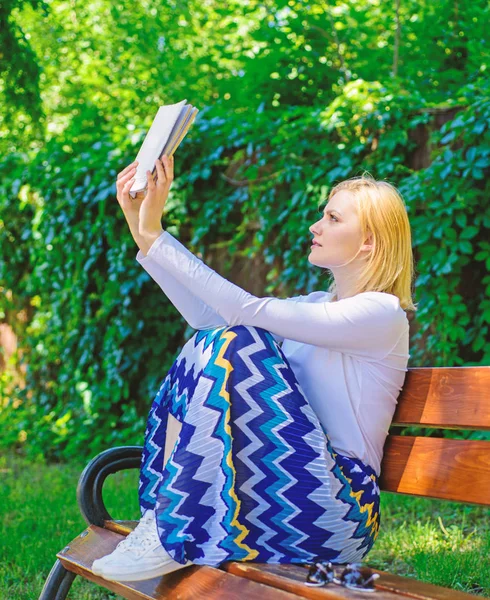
[448,398]
[240,580]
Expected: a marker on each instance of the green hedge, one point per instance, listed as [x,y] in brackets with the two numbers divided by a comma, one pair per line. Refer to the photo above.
[98,336]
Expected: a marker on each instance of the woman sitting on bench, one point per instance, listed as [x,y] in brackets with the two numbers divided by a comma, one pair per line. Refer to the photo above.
[282,406]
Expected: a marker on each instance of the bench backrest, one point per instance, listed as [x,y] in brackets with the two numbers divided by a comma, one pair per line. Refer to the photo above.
[452,469]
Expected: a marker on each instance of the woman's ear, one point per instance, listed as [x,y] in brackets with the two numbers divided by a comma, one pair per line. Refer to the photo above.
[368,243]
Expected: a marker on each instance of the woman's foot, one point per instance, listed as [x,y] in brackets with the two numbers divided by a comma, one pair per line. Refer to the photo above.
[139,556]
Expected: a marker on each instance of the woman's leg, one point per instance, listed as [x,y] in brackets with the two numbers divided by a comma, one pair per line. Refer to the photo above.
[173,430]
[164,421]
[252,475]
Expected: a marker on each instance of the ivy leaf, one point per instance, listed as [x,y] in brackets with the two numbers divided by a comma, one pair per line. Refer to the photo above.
[449,137]
[469,232]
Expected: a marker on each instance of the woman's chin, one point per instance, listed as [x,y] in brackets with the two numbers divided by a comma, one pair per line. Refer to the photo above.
[316,261]
[312,260]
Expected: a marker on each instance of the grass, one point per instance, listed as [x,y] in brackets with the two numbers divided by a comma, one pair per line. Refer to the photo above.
[40,516]
[445,543]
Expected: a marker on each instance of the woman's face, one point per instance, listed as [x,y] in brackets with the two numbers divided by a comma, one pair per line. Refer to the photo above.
[338,233]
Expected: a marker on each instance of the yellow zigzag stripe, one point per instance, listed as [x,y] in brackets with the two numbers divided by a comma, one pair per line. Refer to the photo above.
[373,517]
[228,368]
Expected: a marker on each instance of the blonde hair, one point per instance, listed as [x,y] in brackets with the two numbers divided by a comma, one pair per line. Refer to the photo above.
[382,211]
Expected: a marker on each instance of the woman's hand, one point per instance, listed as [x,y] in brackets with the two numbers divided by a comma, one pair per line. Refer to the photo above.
[152,207]
[130,206]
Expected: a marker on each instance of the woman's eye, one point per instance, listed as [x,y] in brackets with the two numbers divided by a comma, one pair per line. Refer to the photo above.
[331,215]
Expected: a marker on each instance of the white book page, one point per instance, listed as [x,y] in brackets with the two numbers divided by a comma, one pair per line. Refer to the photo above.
[189,118]
[177,129]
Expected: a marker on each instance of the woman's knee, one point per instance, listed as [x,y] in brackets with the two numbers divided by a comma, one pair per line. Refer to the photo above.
[248,335]
[246,329]
[238,329]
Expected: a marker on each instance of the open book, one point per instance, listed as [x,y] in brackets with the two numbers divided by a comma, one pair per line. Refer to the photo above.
[168,129]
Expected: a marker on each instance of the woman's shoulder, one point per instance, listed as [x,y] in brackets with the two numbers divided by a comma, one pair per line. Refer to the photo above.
[389,310]
[385,301]
[317,296]
[377,304]
[381,297]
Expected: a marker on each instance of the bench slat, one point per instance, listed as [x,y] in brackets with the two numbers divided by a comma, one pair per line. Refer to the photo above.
[192,582]
[290,578]
[445,397]
[457,470]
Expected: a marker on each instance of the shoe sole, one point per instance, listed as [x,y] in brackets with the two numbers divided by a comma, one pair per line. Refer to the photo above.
[97,570]
[149,574]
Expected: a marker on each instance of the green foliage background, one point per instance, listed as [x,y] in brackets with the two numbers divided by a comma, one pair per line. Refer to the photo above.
[293,98]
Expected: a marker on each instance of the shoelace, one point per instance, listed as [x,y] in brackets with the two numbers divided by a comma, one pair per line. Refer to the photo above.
[142,537]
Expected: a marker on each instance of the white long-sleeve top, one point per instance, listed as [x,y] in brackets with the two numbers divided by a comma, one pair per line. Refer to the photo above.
[350,356]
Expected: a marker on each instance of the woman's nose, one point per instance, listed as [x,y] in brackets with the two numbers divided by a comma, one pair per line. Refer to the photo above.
[314,228]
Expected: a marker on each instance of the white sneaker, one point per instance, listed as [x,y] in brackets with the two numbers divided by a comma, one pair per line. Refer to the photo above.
[139,556]
[99,562]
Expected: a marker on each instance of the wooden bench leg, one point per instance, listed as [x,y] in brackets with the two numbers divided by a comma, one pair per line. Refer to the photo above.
[58,583]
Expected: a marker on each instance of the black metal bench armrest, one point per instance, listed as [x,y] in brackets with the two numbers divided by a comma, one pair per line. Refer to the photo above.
[90,484]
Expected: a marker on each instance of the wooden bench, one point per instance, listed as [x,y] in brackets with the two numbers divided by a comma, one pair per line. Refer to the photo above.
[450,469]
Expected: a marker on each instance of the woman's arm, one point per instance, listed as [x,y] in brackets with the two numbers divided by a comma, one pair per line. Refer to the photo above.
[195,311]
[367,325]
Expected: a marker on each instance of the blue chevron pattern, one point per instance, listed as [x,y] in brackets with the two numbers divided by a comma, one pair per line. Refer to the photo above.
[253,475]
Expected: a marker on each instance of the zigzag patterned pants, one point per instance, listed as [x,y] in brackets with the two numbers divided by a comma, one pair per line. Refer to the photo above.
[252,475]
